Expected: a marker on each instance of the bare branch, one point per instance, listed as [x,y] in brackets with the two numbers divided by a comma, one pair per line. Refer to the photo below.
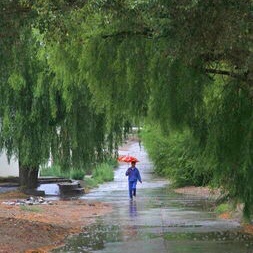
[228,73]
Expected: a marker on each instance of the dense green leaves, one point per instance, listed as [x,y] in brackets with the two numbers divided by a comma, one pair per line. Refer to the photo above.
[46,107]
[177,156]
[197,73]
[229,141]
[24,116]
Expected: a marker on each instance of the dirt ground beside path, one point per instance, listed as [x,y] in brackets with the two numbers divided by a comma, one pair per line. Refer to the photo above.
[199,191]
[40,228]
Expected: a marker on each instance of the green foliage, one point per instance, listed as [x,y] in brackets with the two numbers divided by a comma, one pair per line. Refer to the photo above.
[25,132]
[103,173]
[90,183]
[177,92]
[100,173]
[77,174]
[45,104]
[229,142]
[34,209]
[176,156]
[54,171]
[58,171]
[197,79]
[222,208]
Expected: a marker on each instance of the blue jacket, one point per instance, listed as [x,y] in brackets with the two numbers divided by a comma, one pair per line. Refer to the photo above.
[133,174]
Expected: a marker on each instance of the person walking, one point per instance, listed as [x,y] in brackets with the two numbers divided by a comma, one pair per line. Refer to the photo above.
[133,176]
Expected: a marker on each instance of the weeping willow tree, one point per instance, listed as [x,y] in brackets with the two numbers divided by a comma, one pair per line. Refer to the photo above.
[20,135]
[186,65]
[45,103]
[209,87]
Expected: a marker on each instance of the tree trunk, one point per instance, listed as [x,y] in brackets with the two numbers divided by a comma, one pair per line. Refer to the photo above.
[28,177]
[247,212]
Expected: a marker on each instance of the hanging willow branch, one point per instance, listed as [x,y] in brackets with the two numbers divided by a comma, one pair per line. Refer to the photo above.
[146,32]
[242,77]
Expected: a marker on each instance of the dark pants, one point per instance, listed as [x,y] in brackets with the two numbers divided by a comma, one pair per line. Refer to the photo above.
[132,188]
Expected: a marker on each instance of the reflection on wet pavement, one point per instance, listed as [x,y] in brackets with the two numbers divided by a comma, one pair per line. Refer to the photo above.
[133,208]
[158,220]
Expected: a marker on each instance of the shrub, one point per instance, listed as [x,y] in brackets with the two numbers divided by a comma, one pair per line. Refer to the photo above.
[103,173]
[222,208]
[176,156]
[77,174]
[54,171]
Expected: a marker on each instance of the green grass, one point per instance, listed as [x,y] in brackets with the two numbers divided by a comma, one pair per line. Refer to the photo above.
[223,208]
[54,171]
[101,173]
[77,174]
[35,209]
[90,182]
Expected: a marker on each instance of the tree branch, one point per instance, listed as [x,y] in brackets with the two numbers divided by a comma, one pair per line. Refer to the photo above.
[146,32]
[227,73]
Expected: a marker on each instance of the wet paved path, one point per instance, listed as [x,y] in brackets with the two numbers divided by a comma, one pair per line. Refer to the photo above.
[158,220]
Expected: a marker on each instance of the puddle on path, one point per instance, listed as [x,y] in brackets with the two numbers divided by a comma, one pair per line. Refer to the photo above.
[158,220]
[100,238]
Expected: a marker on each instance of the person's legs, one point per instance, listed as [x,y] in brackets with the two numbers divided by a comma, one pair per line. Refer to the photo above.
[130,188]
[134,188]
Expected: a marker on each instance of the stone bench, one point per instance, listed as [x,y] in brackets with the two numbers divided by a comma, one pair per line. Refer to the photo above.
[70,188]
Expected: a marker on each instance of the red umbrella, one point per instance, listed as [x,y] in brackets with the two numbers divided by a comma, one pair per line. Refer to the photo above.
[127,159]
[121,157]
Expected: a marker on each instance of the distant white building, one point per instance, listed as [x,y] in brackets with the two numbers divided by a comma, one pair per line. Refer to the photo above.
[8,169]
